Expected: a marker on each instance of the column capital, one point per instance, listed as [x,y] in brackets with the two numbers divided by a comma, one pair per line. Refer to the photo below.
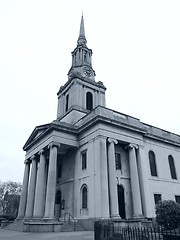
[33,157]
[26,161]
[54,144]
[41,152]
[112,140]
[131,146]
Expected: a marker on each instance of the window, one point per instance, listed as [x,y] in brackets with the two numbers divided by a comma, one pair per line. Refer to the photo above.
[118,161]
[84,160]
[89,101]
[59,171]
[67,102]
[157,198]
[58,197]
[172,167]
[85,56]
[152,163]
[84,196]
[177,198]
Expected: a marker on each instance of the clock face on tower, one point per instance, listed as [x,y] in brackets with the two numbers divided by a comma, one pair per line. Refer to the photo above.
[87,72]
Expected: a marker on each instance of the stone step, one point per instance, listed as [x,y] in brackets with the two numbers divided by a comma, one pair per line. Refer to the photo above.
[67,227]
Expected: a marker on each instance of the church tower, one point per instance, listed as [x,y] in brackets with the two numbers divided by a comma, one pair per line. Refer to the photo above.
[81,93]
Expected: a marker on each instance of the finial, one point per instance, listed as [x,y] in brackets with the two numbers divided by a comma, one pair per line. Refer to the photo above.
[82,13]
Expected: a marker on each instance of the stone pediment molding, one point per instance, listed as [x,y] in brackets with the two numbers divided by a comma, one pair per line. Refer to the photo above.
[42,130]
[37,132]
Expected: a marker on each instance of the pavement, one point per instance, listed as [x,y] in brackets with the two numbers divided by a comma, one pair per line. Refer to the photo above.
[12,235]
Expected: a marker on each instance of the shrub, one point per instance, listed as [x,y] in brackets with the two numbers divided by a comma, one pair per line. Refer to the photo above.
[168,214]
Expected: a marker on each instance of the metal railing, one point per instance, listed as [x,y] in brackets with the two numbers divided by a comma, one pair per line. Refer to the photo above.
[111,232]
[70,219]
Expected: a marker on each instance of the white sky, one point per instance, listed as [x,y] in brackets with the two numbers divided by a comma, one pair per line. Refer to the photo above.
[136,46]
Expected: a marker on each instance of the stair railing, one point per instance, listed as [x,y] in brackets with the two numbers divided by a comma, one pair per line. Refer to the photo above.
[70,220]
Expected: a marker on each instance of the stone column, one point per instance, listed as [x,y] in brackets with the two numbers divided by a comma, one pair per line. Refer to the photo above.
[104,179]
[143,178]
[51,182]
[32,188]
[136,195]
[23,200]
[40,187]
[114,210]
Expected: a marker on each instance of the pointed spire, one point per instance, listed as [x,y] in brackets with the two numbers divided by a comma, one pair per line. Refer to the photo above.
[82,31]
[82,38]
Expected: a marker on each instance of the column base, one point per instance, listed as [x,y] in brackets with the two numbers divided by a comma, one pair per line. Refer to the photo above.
[37,219]
[28,219]
[140,217]
[49,219]
[116,217]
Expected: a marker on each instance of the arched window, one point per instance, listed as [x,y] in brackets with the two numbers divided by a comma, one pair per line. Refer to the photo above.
[172,167]
[84,196]
[152,163]
[67,102]
[89,101]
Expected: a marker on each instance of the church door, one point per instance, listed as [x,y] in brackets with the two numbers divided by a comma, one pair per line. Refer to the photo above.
[58,205]
[121,201]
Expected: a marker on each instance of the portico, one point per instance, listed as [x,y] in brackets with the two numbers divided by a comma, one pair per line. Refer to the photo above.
[39,183]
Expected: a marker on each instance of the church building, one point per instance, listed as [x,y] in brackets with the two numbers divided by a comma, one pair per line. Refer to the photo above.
[93,162]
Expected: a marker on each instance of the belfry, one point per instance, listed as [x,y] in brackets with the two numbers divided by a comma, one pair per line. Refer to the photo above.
[93,162]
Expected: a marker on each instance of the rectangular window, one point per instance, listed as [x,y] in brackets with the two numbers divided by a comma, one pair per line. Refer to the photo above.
[157,198]
[84,159]
[177,198]
[59,170]
[118,161]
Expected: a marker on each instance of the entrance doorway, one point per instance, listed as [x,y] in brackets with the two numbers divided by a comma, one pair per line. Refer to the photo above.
[121,201]
[58,204]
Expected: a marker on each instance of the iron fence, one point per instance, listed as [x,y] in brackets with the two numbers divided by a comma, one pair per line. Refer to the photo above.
[110,231]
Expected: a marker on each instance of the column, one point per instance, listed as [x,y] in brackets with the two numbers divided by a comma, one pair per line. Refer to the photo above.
[39,201]
[32,187]
[51,182]
[136,197]
[104,179]
[114,210]
[22,205]
[97,178]
[143,179]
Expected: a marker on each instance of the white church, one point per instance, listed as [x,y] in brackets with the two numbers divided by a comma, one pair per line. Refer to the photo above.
[93,162]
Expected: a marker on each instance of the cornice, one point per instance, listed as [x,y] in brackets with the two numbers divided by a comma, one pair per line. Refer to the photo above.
[99,116]
[84,79]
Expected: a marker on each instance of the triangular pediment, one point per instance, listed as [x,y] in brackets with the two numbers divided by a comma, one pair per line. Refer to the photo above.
[37,132]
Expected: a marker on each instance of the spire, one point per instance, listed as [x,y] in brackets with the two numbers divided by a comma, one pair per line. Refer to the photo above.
[82,38]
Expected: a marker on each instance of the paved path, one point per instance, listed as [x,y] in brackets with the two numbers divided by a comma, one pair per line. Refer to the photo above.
[12,235]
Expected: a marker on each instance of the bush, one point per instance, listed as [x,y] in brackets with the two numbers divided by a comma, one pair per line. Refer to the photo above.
[168,214]
[9,217]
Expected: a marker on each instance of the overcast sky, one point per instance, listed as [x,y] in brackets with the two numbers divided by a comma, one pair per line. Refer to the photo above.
[136,54]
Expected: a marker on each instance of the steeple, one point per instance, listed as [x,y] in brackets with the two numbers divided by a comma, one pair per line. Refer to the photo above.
[81,57]
[81,93]
[82,38]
